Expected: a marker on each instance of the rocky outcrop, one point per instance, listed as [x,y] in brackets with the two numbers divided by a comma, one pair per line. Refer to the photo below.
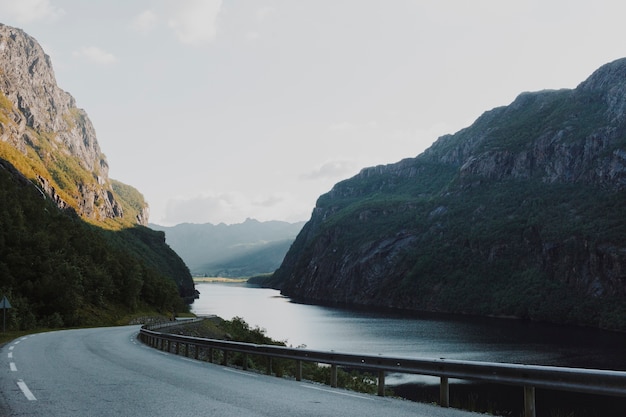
[578,135]
[37,116]
[520,214]
[143,216]
[49,156]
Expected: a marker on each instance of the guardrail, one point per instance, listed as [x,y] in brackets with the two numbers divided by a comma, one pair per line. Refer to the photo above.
[590,381]
[172,323]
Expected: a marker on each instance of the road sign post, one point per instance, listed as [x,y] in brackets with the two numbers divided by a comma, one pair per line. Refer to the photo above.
[4,305]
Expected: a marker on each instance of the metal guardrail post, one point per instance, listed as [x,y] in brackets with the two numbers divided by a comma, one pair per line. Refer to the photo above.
[268,371]
[333,376]
[381,383]
[245,362]
[529,401]
[444,392]
[225,358]
[298,370]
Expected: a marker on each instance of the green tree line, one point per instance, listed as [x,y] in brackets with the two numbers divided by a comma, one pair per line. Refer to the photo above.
[59,271]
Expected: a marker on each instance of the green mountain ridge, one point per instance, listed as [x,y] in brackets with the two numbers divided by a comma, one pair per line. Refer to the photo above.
[74,248]
[522,214]
[58,270]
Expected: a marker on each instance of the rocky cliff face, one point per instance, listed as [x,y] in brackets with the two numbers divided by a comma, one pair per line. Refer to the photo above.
[43,123]
[60,270]
[520,214]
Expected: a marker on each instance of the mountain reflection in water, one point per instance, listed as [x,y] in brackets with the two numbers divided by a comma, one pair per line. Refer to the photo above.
[424,336]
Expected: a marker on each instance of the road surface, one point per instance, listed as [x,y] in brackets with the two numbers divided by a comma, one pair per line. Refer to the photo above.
[108,372]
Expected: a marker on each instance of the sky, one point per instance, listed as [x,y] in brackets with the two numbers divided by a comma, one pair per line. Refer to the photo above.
[218,111]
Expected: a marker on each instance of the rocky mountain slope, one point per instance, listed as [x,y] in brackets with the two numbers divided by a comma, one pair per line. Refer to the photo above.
[521,214]
[236,250]
[67,231]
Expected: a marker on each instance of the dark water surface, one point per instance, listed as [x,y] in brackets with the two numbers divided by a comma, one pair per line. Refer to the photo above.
[425,336]
[434,336]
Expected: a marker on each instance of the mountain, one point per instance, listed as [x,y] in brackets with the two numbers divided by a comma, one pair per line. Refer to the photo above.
[522,214]
[236,250]
[74,246]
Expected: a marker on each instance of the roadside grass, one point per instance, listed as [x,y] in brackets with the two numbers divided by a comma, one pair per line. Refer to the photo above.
[492,399]
[8,336]
[238,330]
[129,319]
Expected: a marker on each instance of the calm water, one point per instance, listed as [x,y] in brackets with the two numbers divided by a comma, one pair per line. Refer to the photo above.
[428,336]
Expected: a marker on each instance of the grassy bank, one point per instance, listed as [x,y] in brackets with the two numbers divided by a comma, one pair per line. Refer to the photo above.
[114,320]
[238,330]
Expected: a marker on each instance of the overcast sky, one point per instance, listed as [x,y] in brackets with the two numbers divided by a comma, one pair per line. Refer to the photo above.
[222,110]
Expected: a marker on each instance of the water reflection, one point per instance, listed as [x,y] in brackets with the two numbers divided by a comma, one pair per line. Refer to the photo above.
[425,336]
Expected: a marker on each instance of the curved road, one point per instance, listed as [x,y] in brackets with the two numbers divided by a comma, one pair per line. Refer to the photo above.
[107,372]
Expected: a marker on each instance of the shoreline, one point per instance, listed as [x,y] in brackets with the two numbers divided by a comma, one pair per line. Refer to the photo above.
[199,280]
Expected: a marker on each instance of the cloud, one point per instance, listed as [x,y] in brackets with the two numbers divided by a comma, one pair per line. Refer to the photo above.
[96,55]
[342,126]
[270,201]
[145,22]
[263,13]
[349,126]
[252,36]
[331,170]
[226,207]
[195,22]
[234,207]
[27,11]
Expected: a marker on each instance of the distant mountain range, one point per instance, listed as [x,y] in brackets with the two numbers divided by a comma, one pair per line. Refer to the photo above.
[237,250]
[522,214]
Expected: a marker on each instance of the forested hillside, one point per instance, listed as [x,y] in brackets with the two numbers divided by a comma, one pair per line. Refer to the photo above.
[74,248]
[522,214]
[58,270]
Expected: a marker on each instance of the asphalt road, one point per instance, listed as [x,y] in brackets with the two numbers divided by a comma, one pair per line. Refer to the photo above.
[107,372]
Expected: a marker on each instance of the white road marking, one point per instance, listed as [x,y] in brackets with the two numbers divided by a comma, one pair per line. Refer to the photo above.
[339,392]
[27,393]
[10,355]
[17,342]
[11,347]
[13,367]
[240,372]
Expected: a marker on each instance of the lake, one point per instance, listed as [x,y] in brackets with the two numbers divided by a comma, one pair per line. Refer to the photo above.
[433,336]
[425,336]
